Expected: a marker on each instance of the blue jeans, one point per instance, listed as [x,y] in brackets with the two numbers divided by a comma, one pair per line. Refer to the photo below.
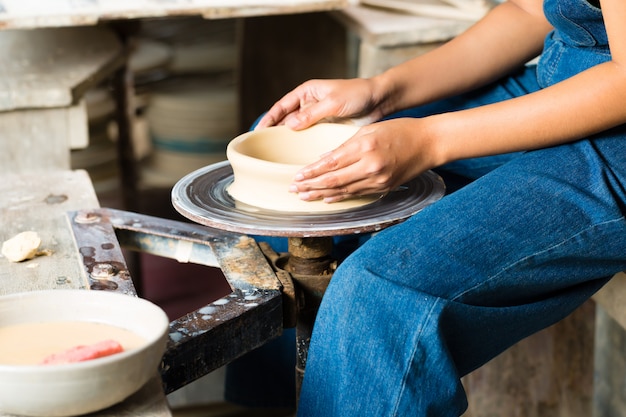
[429,300]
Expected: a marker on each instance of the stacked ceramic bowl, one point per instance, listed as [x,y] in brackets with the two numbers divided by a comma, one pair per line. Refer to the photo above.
[198,45]
[150,60]
[193,114]
[191,120]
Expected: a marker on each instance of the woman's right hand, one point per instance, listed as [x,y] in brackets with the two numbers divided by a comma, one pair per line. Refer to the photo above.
[338,101]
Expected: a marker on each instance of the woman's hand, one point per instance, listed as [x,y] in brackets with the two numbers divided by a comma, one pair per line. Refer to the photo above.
[377,159]
[325,100]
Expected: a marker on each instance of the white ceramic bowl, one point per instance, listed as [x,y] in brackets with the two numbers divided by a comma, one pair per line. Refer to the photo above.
[264,164]
[82,387]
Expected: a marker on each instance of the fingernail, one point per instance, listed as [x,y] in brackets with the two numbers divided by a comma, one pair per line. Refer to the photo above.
[293,123]
[293,189]
[304,196]
[298,177]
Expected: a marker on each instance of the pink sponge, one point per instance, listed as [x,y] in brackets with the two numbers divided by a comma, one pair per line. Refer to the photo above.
[84,353]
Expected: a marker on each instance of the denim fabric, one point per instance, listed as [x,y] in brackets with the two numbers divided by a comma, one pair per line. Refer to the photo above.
[578,42]
[425,302]
[429,300]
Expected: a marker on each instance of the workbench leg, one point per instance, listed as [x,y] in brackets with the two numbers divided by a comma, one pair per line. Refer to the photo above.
[124,92]
[123,84]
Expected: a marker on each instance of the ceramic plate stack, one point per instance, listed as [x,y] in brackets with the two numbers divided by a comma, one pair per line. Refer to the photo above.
[191,120]
[99,158]
[150,60]
[198,45]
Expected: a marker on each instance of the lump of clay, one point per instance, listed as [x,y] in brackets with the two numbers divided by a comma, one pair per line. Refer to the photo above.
[21,247]
[265,162]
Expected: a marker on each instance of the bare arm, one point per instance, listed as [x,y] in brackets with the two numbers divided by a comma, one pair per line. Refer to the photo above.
[509,36]
[506,38]
[587,103]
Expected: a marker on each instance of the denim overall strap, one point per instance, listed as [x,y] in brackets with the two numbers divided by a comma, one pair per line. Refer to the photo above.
[578,42]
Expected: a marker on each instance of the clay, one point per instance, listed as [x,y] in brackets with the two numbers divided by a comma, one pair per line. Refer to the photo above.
[265,163]
[21,247]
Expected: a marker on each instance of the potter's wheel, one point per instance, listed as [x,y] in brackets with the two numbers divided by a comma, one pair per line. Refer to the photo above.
[201,196]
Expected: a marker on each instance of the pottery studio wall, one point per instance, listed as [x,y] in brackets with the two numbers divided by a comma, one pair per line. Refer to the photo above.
[185,100]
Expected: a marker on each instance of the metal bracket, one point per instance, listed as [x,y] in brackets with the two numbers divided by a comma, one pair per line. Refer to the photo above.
[212,336]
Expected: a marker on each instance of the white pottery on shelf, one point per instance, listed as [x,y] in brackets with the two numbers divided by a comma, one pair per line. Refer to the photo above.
[191,120]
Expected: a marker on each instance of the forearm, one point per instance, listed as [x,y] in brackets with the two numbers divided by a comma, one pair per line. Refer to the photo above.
[506,38]
[583,105]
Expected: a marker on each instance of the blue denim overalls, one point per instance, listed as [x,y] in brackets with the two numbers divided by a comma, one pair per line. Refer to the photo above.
[425,302]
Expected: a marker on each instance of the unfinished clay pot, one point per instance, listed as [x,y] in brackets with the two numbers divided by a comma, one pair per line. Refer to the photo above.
[265,162]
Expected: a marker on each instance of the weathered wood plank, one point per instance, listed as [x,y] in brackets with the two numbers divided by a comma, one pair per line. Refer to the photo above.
[42,81]
[610,366]
[612,297]
[387,38]
[385,28]
[38,202]
[54,67]
[549,374]
[34,13]
[39,140]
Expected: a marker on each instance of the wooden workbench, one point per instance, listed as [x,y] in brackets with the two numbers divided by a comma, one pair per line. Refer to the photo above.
[20,14]
[39,202]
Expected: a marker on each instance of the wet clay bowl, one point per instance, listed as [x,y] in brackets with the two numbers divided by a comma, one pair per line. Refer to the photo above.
[78,388]
[265,162]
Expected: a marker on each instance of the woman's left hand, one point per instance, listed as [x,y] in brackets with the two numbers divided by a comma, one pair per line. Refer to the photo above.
[377,159]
